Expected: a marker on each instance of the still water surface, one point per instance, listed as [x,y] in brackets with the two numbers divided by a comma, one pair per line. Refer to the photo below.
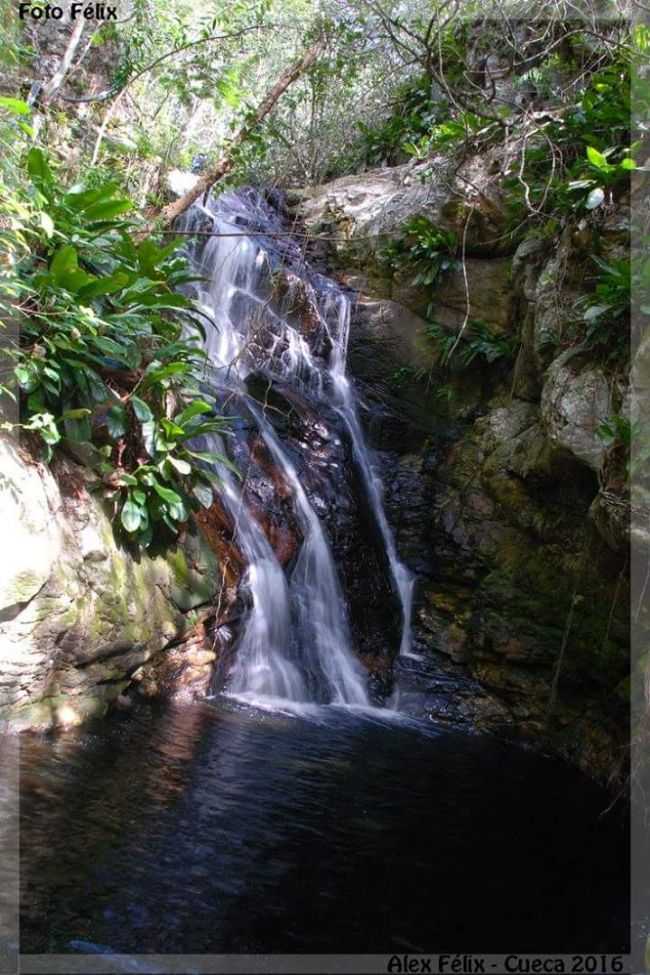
[215,827]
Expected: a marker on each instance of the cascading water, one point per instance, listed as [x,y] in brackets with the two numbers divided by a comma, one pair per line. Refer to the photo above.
[296,643]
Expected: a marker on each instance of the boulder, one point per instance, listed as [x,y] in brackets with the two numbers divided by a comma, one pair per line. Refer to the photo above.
[367,209]
[575,402]
[79,612]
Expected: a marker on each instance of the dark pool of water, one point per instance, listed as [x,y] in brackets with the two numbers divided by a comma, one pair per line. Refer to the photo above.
[212,828]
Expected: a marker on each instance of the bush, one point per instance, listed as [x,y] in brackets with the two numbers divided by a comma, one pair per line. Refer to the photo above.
[424,250]
[110,352]
[478,341]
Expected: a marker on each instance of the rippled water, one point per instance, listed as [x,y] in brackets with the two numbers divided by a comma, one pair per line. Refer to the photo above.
[216,828]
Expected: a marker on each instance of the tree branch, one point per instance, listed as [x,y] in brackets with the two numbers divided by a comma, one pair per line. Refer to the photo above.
[225,164]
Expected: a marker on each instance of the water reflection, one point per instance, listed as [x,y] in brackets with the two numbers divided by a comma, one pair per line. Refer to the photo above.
[216,828]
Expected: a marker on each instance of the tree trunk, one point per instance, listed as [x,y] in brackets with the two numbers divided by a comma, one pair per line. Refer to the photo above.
[59,76]
[225,164]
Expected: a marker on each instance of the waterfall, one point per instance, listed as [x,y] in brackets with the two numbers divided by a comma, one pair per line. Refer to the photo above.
[296,643]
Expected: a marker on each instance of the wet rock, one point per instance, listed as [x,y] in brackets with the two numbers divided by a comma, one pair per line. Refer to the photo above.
[320,448]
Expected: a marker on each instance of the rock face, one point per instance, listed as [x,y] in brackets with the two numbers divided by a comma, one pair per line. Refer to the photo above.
[81,618]
[507,506]
[574,405]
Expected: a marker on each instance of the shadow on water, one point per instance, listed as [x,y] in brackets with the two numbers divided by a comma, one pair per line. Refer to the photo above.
[218,828]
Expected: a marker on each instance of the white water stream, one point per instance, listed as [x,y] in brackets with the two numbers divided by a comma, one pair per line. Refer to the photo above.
[295,645]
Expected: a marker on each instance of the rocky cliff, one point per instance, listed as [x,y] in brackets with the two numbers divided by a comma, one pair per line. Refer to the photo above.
[508,506]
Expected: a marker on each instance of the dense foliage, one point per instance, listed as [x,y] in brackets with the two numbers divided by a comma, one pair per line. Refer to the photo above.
[108,357]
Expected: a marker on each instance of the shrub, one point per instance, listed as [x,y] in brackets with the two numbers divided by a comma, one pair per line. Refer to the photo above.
[424,250]
[479,341]
[110,353]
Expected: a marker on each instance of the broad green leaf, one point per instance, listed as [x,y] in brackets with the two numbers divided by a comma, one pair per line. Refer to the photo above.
[151,256]
[141,410]
[107,209]
[131,516]
[15,105]
[159,374]
[111,348]
[74,280]
[27,378]
[116,421]
[129,480]
[46,223]
[178,511]
[172,430]
[597,159]
[149,437]
[104,286]
[64,262]
[171,497]
[595,312]
[181,466]
[166,300]
[37,165]
[595,198]
[80,199]
[194,409]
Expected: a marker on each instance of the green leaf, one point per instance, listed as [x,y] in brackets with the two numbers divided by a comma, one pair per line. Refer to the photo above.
[75,414]
[46,223]
[171,497]
[79,200]
[27,378]
[149,437]
[156,375]
[181,466]
[628,164]
[178,511]
[150,256]
[45,424]
[74,280]
[595,198]
[203,493]
[116,422]
[64,262]
[107,209]
[172,430]
[37,166]
[15,106]
[214,458]
[194,409]
[129,480]
[141,410]
[597,159]
[595,312]
[131,516]
[105,286]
